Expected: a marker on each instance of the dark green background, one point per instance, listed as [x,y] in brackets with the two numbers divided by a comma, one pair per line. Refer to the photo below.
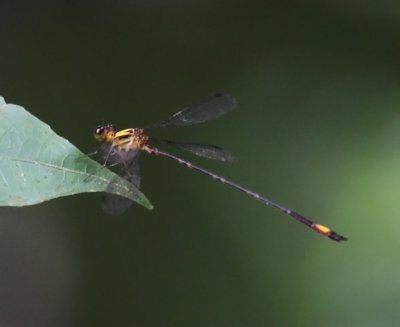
[317,129]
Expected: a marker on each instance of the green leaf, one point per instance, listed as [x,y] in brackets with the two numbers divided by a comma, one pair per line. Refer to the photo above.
[37,165]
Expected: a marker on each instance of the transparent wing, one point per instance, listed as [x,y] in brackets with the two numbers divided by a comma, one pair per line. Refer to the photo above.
[114,204]
[210,108]
[208,151]
[131,170]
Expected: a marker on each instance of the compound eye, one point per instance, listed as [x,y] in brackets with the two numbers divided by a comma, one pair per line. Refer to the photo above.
[99,130]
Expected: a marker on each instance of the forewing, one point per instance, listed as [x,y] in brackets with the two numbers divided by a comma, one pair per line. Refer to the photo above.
[208,151]
[114,204]
[207,109]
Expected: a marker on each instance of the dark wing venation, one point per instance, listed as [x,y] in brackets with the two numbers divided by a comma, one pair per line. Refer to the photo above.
[210,108]
[115,204]
[131,171]
[208,151]
[112,156]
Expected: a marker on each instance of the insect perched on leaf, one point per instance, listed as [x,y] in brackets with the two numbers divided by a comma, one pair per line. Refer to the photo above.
[123,147]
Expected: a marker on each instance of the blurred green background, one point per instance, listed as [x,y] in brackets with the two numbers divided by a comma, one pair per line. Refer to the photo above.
[317,129]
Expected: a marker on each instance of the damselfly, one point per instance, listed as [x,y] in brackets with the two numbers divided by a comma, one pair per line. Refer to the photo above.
[123,147]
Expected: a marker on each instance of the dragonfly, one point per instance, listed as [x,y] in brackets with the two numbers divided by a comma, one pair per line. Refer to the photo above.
[122,147]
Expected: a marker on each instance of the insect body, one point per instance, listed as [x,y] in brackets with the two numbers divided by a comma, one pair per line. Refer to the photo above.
[124,146]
